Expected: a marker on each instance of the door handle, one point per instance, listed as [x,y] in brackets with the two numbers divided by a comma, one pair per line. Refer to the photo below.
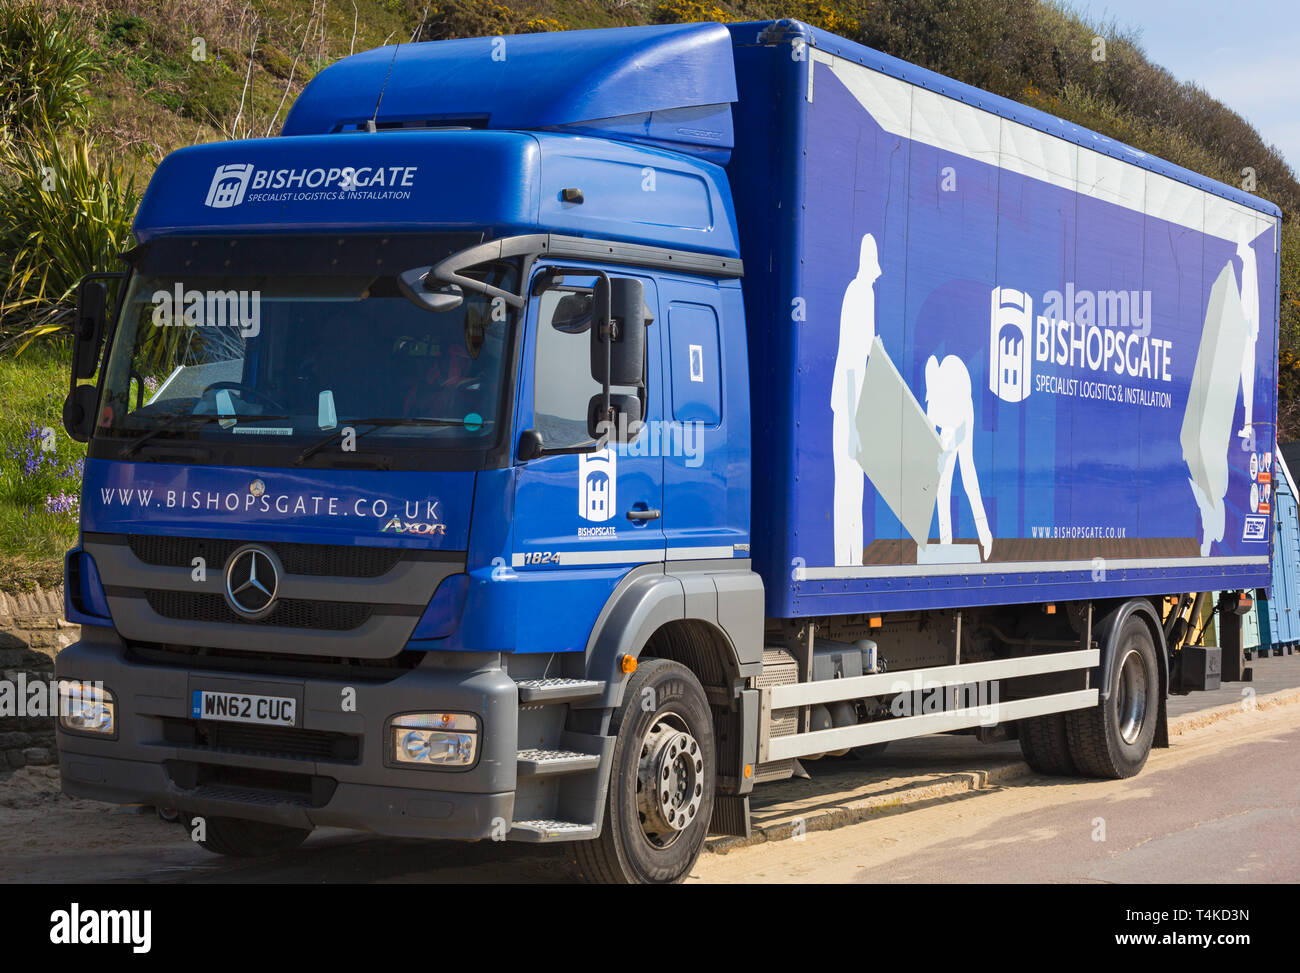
[642,513]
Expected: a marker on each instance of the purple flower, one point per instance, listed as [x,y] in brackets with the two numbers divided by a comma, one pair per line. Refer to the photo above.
[63,503]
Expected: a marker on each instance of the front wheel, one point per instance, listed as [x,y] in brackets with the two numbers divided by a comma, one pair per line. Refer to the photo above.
[1113,739]
[661,781]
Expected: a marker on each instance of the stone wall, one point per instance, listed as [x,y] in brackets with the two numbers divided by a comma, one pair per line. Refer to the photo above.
[32,631]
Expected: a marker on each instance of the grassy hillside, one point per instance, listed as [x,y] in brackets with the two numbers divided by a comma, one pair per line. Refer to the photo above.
[155,87]
[97,92]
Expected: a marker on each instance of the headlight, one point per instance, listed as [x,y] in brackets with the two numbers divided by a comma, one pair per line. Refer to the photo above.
[435,739]
[86,707]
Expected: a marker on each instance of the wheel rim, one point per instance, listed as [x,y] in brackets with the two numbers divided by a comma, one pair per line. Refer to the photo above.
[1131,701]
[670,780]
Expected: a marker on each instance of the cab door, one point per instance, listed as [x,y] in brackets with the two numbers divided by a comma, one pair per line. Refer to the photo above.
[706,441]
[582,519]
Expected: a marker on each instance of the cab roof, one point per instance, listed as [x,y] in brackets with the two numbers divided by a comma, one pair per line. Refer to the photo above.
[668,85]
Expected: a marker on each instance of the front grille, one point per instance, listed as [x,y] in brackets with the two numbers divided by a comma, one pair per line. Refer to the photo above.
[194,657]
[193,606]
[287,742]
[315,560]
[246,785]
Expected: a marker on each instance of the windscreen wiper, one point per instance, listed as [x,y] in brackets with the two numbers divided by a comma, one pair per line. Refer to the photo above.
[189,421]
[375,423]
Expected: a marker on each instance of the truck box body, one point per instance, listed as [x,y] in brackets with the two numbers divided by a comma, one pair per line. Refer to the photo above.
[1074,315]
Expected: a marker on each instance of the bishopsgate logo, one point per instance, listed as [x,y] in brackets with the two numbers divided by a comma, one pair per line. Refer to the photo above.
[1100,343]
[232,182]
[229,183]
[1010,364]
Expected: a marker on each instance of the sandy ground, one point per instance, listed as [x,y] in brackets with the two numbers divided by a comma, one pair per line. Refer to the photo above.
[1222,804]
[37,819]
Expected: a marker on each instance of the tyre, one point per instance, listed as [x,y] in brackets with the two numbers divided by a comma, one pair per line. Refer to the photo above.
[1113,739]
[870,751]
[1045,746]
[661,781]
[246,839]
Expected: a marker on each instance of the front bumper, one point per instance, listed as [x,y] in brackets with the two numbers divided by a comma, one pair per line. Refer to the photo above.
[145,764]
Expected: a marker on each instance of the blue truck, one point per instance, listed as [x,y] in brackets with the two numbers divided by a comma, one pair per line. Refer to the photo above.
[549,438]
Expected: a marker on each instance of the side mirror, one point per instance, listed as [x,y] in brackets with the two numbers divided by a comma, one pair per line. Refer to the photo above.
[413,285]
[530,445]
[79,412]
[618,351]
[623,422]
[88,331]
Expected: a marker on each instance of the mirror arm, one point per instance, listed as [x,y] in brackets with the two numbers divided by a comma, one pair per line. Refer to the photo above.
[609,368]
[448,270]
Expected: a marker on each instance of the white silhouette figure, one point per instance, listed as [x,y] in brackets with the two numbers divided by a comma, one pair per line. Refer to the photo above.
[1229,334]
[1250,309]
[950,406]
[857,330]
[1214,517]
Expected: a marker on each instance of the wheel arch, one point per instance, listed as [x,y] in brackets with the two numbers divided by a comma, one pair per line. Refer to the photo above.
[709,620]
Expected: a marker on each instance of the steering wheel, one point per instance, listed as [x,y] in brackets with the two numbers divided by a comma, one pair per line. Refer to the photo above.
[248,392]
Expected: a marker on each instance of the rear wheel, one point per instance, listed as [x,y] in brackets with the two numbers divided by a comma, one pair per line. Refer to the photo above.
[1045,746]
[1113,739]
[246,839]
[661,782]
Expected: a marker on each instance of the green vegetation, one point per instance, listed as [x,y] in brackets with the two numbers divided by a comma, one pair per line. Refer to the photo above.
[94,93]
[39,486]
[45,66]
[61,215]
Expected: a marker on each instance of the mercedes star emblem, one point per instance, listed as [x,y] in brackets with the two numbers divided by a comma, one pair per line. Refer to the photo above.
[252,579]
[257,488]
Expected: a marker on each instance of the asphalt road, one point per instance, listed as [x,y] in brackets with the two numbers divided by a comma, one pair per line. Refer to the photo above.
[1221,805]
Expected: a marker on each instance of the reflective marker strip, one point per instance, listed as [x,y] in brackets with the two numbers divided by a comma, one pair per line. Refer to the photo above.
[646,556]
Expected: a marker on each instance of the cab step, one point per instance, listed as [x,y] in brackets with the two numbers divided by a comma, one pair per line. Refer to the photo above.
[548,830]
[558,690]
[536,762]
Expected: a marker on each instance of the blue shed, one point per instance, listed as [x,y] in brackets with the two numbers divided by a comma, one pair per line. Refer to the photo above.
[1284,596]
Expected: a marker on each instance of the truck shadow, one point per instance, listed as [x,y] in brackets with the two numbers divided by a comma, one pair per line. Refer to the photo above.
[335,856]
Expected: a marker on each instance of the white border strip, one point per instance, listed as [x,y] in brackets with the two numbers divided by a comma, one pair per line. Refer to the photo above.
[821,741]
[913,680]
[1016,567]
[910,111]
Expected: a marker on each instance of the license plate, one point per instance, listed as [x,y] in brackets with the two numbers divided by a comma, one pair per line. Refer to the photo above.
[244,708]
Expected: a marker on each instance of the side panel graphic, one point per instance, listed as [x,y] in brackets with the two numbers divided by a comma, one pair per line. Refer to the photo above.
[1037,357]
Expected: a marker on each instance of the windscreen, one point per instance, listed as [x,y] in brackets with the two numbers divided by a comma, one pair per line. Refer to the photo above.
[289,360]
